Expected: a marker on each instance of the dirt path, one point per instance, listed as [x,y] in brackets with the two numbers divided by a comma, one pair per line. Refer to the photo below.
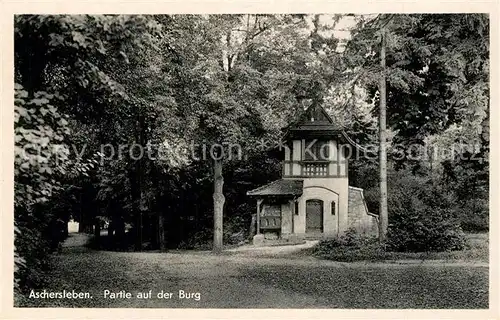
[76,240]
[270,251]
[290,255]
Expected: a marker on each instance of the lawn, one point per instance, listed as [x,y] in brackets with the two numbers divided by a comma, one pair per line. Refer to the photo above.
[239,281]
[477,250]
[384,287]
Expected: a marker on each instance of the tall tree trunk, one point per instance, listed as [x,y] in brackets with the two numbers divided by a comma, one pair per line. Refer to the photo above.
[161,231]
[159,208]
[81,226]
[136,208]
[383,214]
[111,237]
[112,223]
[253,227]
[97,230]
[219,200]
[88,218]
[135,192]
[81,217]
[137,176]
[120,233]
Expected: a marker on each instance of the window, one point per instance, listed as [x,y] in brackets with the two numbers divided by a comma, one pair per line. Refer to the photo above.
[334,207]
[315,150]
[296,208]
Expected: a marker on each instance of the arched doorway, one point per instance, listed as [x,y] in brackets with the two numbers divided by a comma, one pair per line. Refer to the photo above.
[314,216]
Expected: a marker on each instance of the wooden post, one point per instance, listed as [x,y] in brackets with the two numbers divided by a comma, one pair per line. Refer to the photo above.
[259,202]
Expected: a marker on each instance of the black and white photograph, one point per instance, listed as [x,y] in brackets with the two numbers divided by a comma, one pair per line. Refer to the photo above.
[252,161]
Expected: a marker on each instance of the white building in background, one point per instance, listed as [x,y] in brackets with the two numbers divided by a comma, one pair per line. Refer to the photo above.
[72,226]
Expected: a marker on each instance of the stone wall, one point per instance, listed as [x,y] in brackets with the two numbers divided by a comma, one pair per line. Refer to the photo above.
[358,217]
[286,218]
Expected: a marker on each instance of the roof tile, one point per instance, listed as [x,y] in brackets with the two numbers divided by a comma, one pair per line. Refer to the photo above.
[279,187]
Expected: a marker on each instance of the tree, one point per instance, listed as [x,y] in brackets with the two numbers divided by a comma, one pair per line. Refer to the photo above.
[428,96]
[72,88]
[170,83]
[423,85]
[383,214]
[232,97]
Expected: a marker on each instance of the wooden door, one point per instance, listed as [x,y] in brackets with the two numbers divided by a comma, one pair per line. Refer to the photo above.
[314,216]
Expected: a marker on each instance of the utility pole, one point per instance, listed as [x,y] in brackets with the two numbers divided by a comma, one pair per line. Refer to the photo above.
[383,212]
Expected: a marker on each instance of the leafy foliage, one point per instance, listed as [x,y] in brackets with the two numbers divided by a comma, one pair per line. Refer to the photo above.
[421,217]
[438,91]
[437,74]
[349,247]
[39,153]
[164,81]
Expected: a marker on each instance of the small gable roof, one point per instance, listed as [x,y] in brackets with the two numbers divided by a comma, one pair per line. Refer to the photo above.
[314,114]
[314,120]
[282,187]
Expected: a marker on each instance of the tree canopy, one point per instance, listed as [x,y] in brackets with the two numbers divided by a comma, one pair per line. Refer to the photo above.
[88,84]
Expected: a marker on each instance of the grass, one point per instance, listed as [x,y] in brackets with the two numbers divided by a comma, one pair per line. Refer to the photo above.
[228,281]
[477,250]
[383,287]
[253,282]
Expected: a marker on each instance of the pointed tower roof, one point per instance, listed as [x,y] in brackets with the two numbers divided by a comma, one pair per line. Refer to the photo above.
[315,122]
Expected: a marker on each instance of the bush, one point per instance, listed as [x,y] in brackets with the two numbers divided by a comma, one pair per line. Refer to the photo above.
[235,230]
[421,216]
[351,238]
[114,243]
[420,230]
[351,246]
[36,236]
[201,240]
[474,215]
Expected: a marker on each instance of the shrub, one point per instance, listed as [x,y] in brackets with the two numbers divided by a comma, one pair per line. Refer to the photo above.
[421,216]
[349,247]
[425,229]
[235,230]
[201,240]
[36,236]
[474,215]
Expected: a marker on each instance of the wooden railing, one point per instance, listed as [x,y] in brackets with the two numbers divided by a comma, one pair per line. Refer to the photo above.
[314,169]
